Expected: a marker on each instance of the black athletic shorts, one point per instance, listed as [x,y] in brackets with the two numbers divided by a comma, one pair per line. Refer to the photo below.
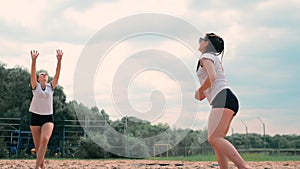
[226,99]
[39,120]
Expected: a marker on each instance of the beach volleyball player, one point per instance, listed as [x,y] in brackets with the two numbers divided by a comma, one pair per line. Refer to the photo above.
[225,105]
[41,107]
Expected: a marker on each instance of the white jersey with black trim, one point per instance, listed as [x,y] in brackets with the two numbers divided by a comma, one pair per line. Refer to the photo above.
[42,100]
[220,82]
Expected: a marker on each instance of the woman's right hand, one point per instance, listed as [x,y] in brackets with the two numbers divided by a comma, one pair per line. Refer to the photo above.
[34,54]
[199,95]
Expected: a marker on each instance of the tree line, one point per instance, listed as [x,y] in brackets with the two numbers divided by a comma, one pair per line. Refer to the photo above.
[16,95]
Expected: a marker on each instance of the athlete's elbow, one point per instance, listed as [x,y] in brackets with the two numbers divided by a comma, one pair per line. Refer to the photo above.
[212,79]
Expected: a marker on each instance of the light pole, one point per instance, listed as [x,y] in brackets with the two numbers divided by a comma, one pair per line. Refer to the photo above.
[264,132]
[246,133]
[232,132]
[245,127]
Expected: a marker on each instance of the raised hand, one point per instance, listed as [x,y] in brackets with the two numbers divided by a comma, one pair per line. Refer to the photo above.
[34,54]
[59,54]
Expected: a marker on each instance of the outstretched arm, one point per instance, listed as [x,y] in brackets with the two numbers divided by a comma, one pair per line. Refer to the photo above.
[59,55]
[33,80]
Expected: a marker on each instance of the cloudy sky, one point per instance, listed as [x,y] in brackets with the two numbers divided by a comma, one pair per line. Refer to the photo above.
[151,75]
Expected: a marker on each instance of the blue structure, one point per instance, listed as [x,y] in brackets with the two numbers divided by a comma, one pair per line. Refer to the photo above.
[19,138]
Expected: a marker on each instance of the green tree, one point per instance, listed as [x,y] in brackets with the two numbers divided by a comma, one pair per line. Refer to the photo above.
[93,147]
[15,91]
[137,148]
[3,149]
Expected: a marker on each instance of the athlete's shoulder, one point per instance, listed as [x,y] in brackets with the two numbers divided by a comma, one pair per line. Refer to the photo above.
[38,85]
[210,56]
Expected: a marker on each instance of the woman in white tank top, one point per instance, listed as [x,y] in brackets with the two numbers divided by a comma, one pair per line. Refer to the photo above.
[215,88]
[41,107]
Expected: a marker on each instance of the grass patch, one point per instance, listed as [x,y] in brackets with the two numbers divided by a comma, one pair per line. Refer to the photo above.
[246,156]
[264,157]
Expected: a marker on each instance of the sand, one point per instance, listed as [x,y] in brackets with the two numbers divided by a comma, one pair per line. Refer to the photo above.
[134,164]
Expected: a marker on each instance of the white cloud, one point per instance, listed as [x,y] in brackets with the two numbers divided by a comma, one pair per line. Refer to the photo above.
[27,13]
[102,14]
[278,5]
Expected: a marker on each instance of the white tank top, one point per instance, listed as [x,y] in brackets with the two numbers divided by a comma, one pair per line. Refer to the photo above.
[221,81]
[42,100]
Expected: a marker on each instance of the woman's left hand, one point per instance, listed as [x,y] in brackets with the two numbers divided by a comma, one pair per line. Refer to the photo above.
[59,54]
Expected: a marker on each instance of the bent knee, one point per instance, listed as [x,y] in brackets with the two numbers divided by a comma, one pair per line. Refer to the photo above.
[213,139]
[45,140]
